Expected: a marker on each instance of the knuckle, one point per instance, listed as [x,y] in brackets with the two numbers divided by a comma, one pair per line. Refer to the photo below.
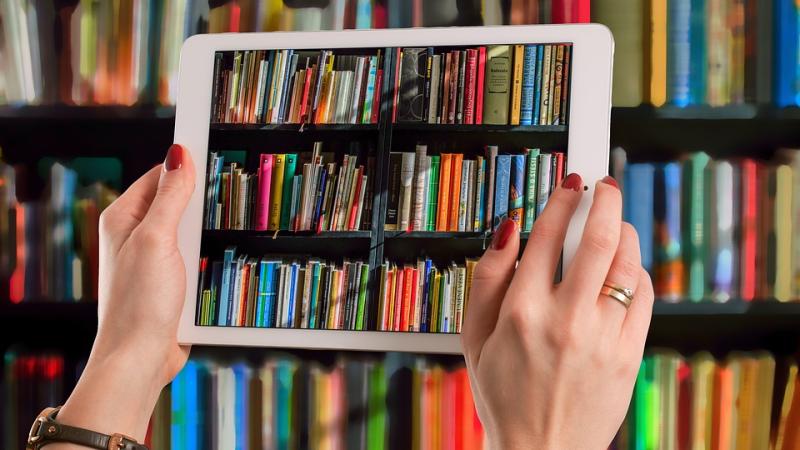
[107,218]
[521,320]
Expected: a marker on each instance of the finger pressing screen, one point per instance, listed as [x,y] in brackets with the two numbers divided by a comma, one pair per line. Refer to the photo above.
[585,275]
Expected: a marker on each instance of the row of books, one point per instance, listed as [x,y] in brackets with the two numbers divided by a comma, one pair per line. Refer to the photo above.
[50,246]
[88,52]
[424,298]
[274,292]
[29,383]
[296,86]
[395,402]
[324,196]
[495,84]
[745,401]
[715,52]
[716,229]
[448,192]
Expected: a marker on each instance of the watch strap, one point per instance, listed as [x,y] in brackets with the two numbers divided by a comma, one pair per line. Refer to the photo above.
[47,431]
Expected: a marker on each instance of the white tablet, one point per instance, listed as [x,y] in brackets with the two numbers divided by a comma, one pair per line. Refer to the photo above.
[344,179]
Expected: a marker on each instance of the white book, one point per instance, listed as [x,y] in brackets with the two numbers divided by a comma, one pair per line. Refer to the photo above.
[420,172]
[281,300]
[276,106]
[304,314]
[364,181]
[260,89]
[433,105]
[406,179]
[543,192]
[337,200]
[226,411]
[462,201]
[273,85]
[426,192]
[237,289]
[350,189]
[356,94]
[723,250]
[461,275]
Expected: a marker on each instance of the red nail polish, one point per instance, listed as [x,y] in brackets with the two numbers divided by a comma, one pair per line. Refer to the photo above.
[610,181]
[572,181]
[174,158]
[503,234]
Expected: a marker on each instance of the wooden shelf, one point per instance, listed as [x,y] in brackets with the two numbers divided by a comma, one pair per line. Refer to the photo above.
[461,128]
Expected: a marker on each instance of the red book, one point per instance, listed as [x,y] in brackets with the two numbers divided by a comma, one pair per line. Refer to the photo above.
[351,221]
[749,205]
[479,85]
[306,91]
[398,298]
[560,166]
[445,106]
[408,288]
[262,199]
[17,281]
[236,12]
[376,101]
[399,53]
[571,11]
[412,304]
[379,17]
[469,86]
[456,162]
[387,295]
[684,414]
[242,320]
[458,407]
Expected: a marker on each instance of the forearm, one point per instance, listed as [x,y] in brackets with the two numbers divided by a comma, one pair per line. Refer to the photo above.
[114,395]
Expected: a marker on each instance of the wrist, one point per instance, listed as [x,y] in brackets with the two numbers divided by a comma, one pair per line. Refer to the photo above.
[115,394]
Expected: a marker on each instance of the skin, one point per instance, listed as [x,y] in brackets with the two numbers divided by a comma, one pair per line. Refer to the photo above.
[551,367]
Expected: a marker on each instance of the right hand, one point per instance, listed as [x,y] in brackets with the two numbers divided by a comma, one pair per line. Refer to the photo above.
[553,366]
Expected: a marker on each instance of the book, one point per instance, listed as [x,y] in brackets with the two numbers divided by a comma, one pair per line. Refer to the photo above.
[639,208]
[413,65]
[516,191]
[393,205]
[528,82]
[290,164]
[491,175]
[456,173]
[498,84]
[669,269]
[276,192]
[695,224]
[545,174]
[516,84]
[502,186]
[531,185]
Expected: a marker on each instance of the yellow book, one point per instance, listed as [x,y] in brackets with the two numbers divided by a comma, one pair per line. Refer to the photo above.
[667,362]
[787,436]
[783,233]
[437,281]
[471,263]
[657,92]
[744,425]
[516,84]
[703,369]
[765,380]
[276,192]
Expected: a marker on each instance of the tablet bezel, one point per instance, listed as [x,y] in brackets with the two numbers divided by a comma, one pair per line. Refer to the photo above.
[588,152]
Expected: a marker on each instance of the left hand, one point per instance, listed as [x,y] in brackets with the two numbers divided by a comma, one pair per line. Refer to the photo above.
[142,288]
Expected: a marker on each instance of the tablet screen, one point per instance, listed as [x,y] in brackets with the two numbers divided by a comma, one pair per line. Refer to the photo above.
[354,189]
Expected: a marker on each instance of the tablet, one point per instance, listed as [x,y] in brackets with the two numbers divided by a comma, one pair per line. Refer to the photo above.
[348,181]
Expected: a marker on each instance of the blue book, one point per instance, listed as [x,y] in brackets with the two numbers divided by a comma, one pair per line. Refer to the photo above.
[639,211]
[320,194]
[291,63]
[363,14]
[270,70]
[423,326]
[537,84]
[501,185]
[241,417]
[528,81]
[698,61]
[312,309]
[261,293]
[269,300]
[225,289]
[678,51]
[785,56]
[184,406]
[516,192]
[668,255]
[293,269]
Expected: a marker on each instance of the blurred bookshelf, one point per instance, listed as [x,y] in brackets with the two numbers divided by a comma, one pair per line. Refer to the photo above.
[139,133]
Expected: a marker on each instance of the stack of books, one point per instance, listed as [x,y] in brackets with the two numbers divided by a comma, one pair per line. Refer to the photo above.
[323,196]
[496,84]
[275,292]
[50,247]
[716,229]
[296,86]
[30,383]
[448,192]
[743,401]
[690,52]
[424,298]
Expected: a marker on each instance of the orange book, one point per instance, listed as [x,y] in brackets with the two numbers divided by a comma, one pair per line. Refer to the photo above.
[438,409]
[722,408]
[408,297]
[455,190]
[788,433]
[243,295]
[443,208]
[398,298]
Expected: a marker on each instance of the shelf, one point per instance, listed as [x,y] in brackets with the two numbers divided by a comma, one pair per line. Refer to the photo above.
[461,128]
[102,112]
[732,307]
[293,127]
[330,244]
[473,235]
[287,235]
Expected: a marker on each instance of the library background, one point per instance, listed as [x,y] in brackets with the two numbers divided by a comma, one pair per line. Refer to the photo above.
[705,138]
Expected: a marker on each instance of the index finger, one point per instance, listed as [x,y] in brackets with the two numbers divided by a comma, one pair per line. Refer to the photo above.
[589,268]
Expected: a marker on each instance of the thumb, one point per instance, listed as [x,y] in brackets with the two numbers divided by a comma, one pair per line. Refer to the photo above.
[175,186]
[490,281]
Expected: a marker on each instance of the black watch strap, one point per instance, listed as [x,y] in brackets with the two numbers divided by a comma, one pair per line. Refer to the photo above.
[47,431]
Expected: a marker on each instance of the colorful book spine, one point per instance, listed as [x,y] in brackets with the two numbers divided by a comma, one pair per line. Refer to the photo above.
[639,208]
[528,81]
[531,185]
[290,166]
[502,185]
[516,192]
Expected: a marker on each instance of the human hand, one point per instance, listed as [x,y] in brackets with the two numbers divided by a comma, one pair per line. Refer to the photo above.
[553,366]
[142,286]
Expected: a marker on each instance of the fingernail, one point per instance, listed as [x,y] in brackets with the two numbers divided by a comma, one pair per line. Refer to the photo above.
[174,158]
[572,181]
[610,181]
[503,234]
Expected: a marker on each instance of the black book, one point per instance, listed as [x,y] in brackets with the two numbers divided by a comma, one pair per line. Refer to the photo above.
[427,92]
[393,202]
[322,300]
[412,85]
[462,65]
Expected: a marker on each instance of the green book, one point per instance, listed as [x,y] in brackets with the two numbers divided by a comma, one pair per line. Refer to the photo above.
[433,191]
[362,298]
[376,408]
[531,182]
[290,165]
[696,223]
[497,85]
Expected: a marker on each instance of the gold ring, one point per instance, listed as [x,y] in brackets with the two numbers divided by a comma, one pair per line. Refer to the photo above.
[622,290]
[616,295]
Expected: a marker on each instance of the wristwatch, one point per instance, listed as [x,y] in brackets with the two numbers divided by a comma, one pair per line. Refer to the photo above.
[45,430]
